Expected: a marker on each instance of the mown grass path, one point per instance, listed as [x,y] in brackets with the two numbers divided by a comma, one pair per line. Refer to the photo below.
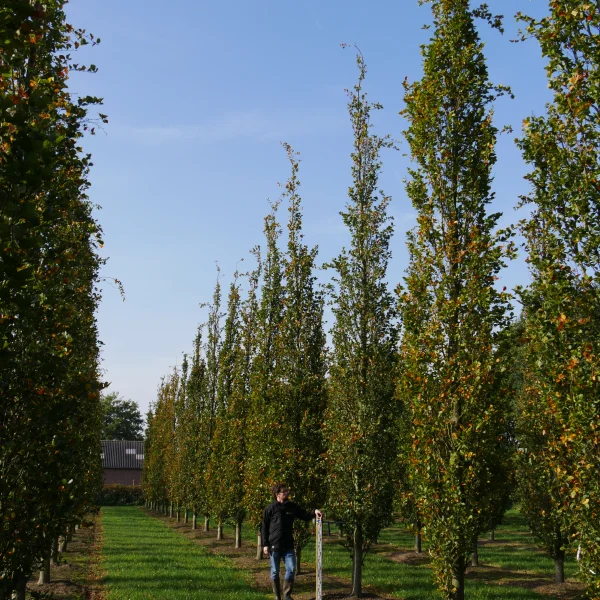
[145,559]
[147,555]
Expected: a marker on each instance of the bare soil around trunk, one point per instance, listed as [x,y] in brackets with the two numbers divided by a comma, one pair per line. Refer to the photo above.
[336,588]
[78,575]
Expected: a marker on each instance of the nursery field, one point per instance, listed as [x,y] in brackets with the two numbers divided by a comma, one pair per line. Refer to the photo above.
[146,555]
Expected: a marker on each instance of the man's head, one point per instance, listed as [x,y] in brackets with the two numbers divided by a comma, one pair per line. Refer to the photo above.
[281,492]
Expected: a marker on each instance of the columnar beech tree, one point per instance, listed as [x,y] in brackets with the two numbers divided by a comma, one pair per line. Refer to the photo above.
[451,310]
[192,422]
[262,433]
[232,428]
[360,421]
[537,487]
[49,394]
[562,306]
[228,358]
[209,406]
[159,445]
[296,411]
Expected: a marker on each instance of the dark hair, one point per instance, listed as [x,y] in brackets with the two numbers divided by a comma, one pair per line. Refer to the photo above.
[277,488]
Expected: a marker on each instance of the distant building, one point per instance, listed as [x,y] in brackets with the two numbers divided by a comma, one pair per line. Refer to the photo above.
[122,461]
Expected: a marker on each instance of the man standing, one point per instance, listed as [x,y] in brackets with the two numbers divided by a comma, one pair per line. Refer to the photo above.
[277,537]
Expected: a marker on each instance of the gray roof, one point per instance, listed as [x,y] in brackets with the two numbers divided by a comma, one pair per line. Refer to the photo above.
[122,454]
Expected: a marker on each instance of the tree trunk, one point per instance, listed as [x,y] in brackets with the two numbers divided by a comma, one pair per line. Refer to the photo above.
[45,572]
[298,560]
[206,524]
[458,580]
[186,517]
[559,567]
[62,544]
[70,532]
[492,535]
[171,509]
[219,531]
[475,555]
[357,564]
[238,534]
[259,551]
[178,514]
[418,540]
[19,593]
[194,519]
[54,553]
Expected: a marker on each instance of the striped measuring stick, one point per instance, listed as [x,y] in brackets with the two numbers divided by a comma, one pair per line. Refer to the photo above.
[319,556]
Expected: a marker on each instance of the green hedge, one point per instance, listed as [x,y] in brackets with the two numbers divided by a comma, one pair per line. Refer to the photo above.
[116,494]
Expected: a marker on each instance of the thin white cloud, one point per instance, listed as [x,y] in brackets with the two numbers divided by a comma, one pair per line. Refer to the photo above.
[232,126]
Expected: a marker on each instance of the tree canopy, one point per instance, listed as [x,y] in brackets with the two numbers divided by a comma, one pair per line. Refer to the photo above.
[121,419]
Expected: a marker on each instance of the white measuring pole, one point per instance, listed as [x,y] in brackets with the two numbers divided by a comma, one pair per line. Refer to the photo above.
[319,556]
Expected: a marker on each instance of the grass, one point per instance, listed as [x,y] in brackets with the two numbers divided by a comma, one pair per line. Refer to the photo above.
[512,567]
[145,559]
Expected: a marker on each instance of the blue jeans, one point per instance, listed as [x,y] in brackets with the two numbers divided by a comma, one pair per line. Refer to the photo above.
[289,559]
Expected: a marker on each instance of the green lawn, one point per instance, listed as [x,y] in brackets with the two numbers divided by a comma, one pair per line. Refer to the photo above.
[507,566]
[145,559]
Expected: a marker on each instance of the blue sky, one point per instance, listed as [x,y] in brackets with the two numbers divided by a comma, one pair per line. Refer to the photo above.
[199,96]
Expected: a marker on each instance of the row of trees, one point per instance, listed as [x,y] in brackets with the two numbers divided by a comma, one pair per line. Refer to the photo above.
[249,407]
[50,416]
[435,401]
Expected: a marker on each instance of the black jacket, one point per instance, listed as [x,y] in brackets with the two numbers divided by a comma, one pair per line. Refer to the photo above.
[277,524]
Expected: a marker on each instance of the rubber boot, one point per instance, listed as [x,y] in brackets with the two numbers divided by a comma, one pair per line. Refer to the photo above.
[276,588]
[288,584]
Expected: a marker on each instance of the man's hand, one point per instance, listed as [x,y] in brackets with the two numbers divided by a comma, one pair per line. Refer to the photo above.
[266,550]
[318,514]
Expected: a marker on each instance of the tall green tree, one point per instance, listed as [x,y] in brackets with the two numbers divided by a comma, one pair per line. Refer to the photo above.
[232,428]
[122,419]
[158,449]
[452,313]
[562,305]
[262,435]
[360,423]
[49,272]
[193,423]
[297,410]
[212,401]
[228,359]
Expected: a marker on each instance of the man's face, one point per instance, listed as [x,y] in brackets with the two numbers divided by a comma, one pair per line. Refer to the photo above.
[282,495]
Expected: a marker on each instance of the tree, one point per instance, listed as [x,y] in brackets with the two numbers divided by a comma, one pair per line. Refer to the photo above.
[232,427]
[360,422]
[192,422]
[122,418]
[262,439]
[299,398]
[49,394]
[209,406]
[452,314]
[159,447]
[562,305]
[221,448]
